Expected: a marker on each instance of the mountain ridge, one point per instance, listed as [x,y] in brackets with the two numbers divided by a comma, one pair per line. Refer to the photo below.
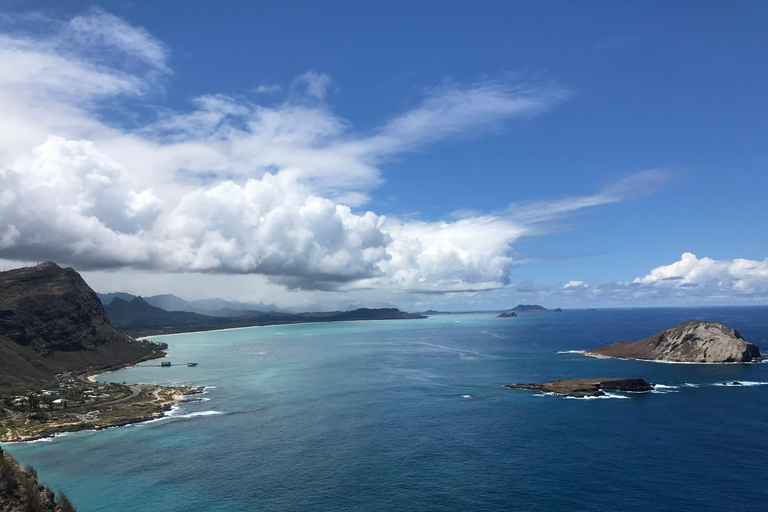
[51,322]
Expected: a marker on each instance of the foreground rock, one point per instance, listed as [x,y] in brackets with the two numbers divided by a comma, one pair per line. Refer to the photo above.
[51,322]
[20,490]
[580,388]
[693,341]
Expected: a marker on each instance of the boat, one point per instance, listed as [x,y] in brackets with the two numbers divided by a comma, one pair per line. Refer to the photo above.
[165,363]
[191,364]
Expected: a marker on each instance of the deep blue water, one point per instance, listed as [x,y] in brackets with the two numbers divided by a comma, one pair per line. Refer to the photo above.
[413,416]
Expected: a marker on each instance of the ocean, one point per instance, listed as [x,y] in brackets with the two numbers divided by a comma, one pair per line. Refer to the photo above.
[412,415]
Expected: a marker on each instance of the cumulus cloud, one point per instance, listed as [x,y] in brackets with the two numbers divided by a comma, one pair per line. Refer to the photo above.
[233,186]
[689,281]
[705,275]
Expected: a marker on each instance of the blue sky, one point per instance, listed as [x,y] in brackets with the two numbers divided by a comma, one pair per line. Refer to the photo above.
[507,152]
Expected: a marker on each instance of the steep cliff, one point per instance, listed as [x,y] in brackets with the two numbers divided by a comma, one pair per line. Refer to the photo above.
[20,490]
[51,322]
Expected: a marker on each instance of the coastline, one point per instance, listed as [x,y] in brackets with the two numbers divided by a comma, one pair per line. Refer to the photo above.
[661,361]
[140,338]
[161,406]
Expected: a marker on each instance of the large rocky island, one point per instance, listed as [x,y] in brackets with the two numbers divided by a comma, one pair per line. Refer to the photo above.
[582,388]
[694,341]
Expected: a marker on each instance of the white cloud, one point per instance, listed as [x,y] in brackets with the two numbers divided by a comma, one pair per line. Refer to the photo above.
[629,187]
[267,89]
[704,275]
[233,186]
[103,31]
[691,281]
[312,84]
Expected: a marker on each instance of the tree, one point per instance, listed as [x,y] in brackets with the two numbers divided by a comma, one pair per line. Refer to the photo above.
[64,504]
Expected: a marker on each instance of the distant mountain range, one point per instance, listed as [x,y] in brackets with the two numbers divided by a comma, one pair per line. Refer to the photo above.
[52,322]
[139,317]
[209,307]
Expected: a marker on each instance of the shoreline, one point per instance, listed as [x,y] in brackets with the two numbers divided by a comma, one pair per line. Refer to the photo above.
[661,361]
[164,407]
[274,325]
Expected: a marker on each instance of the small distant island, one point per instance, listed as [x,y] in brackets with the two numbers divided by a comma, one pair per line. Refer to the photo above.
[581,388]
[527,308]
[693,341]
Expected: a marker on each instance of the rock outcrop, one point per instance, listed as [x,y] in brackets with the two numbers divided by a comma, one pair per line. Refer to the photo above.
[580,388]
[20,491]
[693,341]
[52,322]
[507,314]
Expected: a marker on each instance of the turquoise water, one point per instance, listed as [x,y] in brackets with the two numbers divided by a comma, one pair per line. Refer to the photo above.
[412,415]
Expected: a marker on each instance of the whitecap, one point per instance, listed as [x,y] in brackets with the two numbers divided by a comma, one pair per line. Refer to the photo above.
[466,397]
[606,395]
[570,352]
[199,413]
[599,356]
[690,385]
[663,386]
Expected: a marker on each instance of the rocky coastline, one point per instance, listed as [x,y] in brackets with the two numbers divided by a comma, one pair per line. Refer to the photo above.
[582,388]
[146,403]
[693,341]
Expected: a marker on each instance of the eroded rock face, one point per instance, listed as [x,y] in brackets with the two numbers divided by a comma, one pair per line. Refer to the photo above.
[51,322]
[693,341]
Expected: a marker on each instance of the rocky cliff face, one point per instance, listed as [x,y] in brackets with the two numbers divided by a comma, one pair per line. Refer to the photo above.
[20,491]
[49,308]
[51,321]
[693,341]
